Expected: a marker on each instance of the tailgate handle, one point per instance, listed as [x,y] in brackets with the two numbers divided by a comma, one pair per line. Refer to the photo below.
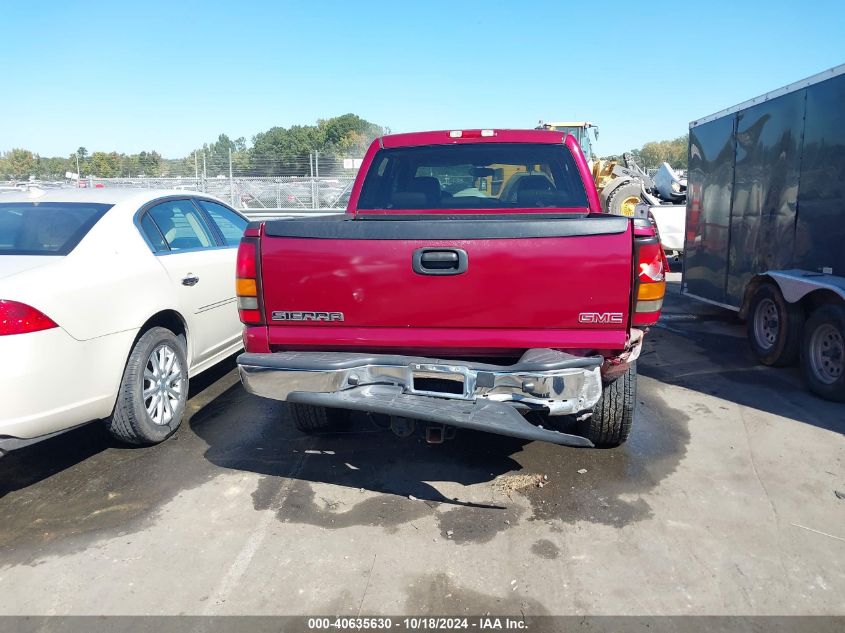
[440,261]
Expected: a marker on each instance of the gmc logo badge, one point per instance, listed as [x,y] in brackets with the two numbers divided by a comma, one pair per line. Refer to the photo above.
[600,317]
[306,315]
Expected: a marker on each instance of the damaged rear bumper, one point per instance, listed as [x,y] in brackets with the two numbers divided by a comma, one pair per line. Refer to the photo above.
[470,395]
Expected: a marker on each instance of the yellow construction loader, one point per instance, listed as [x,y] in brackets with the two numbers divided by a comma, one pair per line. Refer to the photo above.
[621,186]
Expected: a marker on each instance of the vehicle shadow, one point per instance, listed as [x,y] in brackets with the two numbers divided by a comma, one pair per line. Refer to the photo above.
[358,455]
[704,348]
[243,432]
[31,464]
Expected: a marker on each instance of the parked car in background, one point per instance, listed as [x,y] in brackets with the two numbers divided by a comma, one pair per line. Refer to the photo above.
[110,301]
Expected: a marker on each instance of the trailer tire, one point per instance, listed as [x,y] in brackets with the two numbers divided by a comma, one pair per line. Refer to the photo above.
[623,200]
[823,352]
[774,327]
[610,424]
[310,418]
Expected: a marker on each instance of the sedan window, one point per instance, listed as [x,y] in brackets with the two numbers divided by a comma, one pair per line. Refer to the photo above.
[181,225]
[46,228]
[152,234]
[231,224]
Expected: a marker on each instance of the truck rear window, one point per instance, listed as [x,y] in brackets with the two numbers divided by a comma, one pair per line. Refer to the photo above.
[473,176]
[46,228]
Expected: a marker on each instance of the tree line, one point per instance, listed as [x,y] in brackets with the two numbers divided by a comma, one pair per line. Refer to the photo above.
[653,153]
[277,150]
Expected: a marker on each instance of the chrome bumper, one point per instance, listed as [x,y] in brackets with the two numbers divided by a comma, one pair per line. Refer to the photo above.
[554,381]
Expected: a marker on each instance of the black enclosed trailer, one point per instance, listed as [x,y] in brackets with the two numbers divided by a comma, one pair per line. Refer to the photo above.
[765,230]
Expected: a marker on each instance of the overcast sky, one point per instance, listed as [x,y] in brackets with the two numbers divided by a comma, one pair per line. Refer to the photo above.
[171,75]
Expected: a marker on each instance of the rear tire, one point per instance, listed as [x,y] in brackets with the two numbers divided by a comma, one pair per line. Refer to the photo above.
[610,424]
[774,327]
[311,419]
[823,352]
[154,390]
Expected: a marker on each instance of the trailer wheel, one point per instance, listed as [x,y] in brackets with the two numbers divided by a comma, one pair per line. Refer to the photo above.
[774,327]
[624,200]
[310,419]
[823,352]
[610,424]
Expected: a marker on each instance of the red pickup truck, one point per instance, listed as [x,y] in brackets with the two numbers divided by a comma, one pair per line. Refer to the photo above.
[472,282]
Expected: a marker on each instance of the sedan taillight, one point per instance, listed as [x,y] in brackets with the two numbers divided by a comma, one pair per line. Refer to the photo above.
[19,318]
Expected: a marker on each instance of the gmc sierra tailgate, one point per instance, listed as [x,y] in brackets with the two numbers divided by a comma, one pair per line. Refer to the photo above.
[488,284]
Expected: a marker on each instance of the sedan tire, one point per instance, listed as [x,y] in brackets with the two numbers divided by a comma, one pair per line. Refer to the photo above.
[153,391]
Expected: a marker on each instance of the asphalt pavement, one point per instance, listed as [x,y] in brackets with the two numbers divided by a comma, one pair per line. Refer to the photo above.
[723,502]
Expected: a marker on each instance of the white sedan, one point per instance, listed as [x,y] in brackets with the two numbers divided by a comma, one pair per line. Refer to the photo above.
[110,300]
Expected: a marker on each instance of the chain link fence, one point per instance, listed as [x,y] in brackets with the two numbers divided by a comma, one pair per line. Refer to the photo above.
[266,187]
[263,188]
[256,196]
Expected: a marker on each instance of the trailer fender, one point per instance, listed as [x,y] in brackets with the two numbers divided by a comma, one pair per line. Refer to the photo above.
[795,284]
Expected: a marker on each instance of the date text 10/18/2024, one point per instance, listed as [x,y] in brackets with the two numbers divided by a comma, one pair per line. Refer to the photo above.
[483,623]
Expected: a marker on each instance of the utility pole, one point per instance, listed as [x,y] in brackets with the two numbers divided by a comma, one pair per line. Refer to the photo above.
[231,181]
[317,179]
[78,173]
[311,171]
[196,168]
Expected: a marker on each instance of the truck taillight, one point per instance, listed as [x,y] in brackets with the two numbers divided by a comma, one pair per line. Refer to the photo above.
[19,318]
[650,281]
[246,282]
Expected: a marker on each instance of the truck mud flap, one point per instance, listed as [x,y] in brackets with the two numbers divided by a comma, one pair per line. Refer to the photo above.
[489,416]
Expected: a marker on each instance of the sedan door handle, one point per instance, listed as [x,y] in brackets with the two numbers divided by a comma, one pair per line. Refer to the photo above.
[190,280]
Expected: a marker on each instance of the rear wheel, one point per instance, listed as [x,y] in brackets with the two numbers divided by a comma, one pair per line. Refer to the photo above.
[153,391]
[823,352]
[610,424]
[774,327]
[310,419]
